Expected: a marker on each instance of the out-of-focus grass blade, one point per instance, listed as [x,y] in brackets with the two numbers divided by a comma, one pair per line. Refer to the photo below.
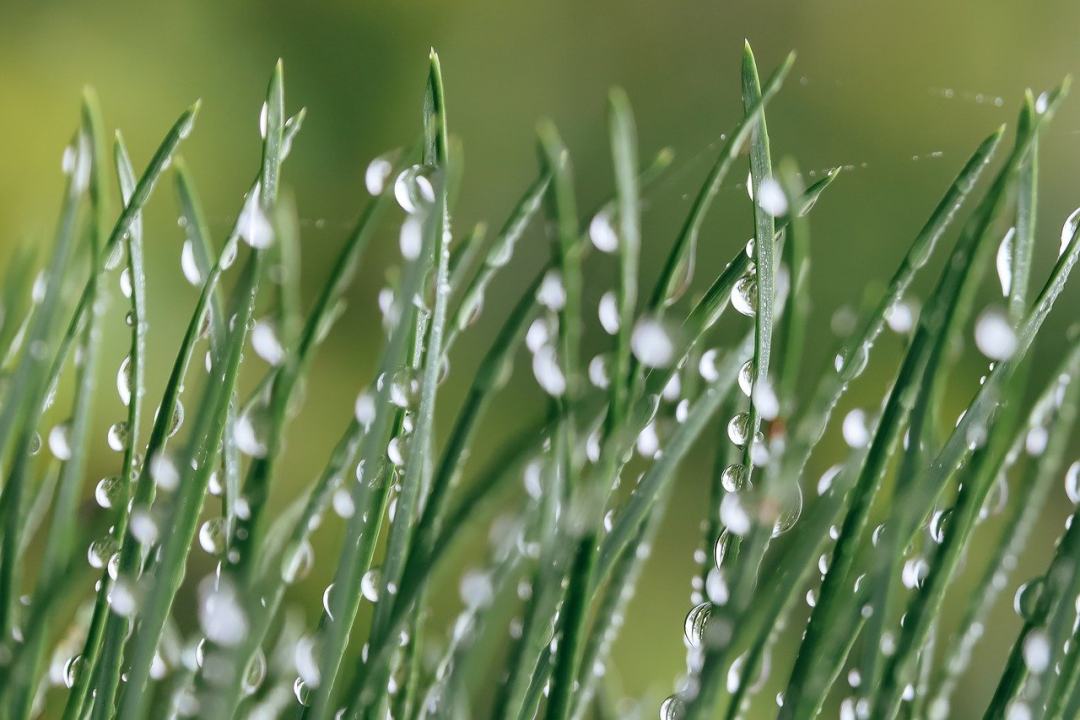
[163,580]
[413,491]
[1000,385]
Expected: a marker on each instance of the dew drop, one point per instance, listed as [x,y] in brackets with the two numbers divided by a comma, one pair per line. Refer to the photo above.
[738,429]
[188,264]
[652,344]
[59,441]
[602,232]
[733,478]
[117,436]
[123,381]
[212,536]
[609,313]
[108,491]
[696,621]
[994,336]
[744,294]
[369,584]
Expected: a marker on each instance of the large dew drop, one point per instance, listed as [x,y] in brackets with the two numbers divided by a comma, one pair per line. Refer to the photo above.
[369,584]
[672,708]
[744,295]
[652,344]
[59,441]
[108,491]
[696,622]
[123,381]
[994,336]
[213,536]
[602,232]
[117,436]
[1072,483]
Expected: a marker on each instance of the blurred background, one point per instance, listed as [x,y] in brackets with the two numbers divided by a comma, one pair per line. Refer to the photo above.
[899,94]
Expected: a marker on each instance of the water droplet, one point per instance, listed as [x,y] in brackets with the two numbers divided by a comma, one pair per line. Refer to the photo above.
[855,431]
[744,295]
[265,340]
[253,225]
[72,670]
[59,441]
[188,265]
[672,708]
[213,535]
[99,552]
[771,198]
[602,232]
[552,293]
[377,173]
[369,584]
[1037,652]
[413,190]
[365,410]
[746,378]
[1003,261]
[652,344]
[696,621]
[548,374]
[733,478]
[994,336]
[901,317]
[125,282]
[1072,483]
[123,381]
[738,429]
[1068,230]
[301,691]
[256,672]
[117,436]
[109,490]
[914,572]
[1027,598]
[609,312]
[598,371]
[250,432]
[938,523]
[297,562]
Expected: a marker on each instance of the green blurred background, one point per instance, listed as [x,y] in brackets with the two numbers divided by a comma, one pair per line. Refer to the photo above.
[900,93]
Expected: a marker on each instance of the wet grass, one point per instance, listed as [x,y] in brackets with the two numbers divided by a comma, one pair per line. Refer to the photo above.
[564,563]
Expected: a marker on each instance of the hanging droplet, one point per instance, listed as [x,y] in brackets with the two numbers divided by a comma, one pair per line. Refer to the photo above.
[250,432]
[301,691]
[377,173]
[188,264]
[652,344]
[297,562]
[265,340]
[738,429]
[545,365]
[552,292]
[123,381]
[369,584]
[938,523]
[1068,230]
[744,295]
[602,232]
[413,190]
[994,335]
[256,672]
[1004,260]
[213,536]
[672,708]
[117,436]
[99,552]
[733,478]
[746,378]
[125,282]
[60,441]
[177,418]
[72,670]
[1027,598]
[1072,483]
[696,621]
[108,491]
[609,312]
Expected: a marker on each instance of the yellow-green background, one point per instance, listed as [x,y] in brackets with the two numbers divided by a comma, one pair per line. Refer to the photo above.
[867,91]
